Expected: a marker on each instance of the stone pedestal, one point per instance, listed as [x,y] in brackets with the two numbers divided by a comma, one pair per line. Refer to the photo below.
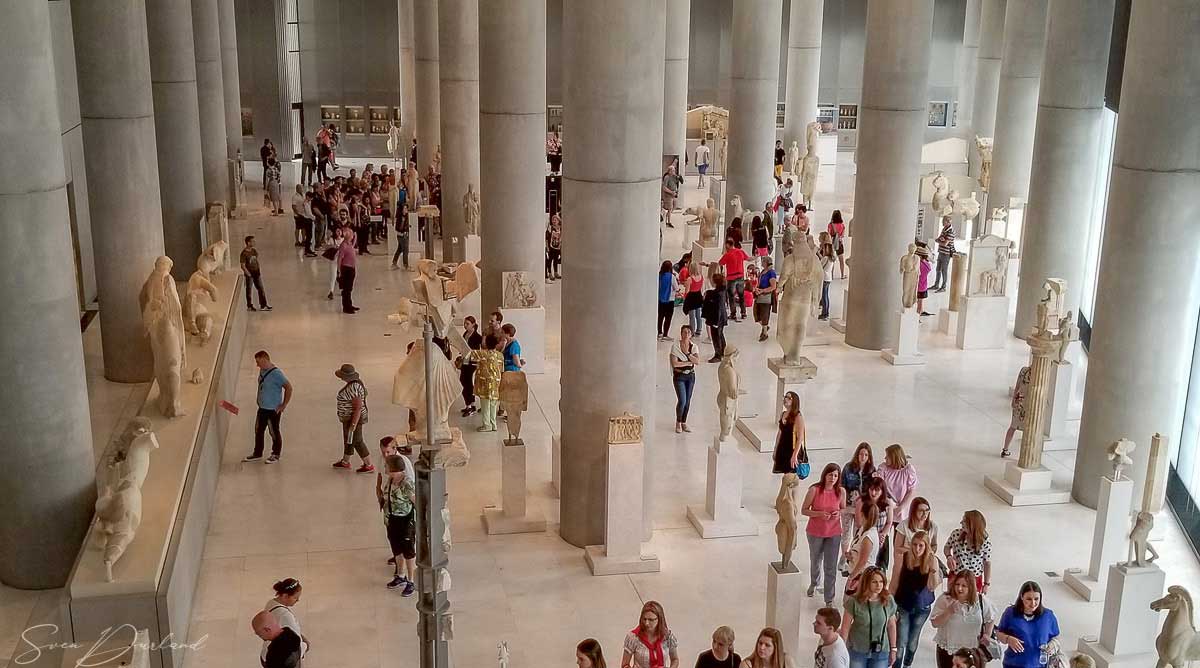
[556,463]
[982,324]
[722,514]
[513,515]
[691,234]
[1129,626]
[839,324]
[785,603]
[1109,539]
[761,430]
[1027,487]
[622,548]
[904,344]
[472,248]
[531,333]
[704,253]
[948,321]
[1058,408]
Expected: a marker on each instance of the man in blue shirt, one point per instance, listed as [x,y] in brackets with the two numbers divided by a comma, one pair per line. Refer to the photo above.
[764,296]
[274,393]
[512,349]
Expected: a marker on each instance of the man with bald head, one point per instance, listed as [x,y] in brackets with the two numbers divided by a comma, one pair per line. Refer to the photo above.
[283,650]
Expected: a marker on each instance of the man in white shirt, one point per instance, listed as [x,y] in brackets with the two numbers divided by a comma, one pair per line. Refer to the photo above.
[302,212]
[701,162]
[832,652]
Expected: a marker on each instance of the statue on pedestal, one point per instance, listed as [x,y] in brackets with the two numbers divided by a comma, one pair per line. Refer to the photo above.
[727,396]
[1178,644]
[800,285]
[1139,541]
[787,505]
[162,316]
[707,217]
[212,261]
[794,158]
[119,495]
[1046,348]
[471,209]
[810,165]
[941,186]
[196,317]
[514,399]
[408,389]
[1118,454]
[984,146]
[910,265]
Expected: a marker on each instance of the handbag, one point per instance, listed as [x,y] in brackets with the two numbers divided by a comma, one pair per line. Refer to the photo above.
[329,253]
[803,468]
[990,649]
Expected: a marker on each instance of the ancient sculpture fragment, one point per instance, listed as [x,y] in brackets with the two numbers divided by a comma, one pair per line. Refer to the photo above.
[1118,454]
[800,285]
[196,318]
[727,396]
[735,207]
[787,506]
[909,266]
[1141,552]
[408,389]
[212,261]
[707,217]
[810,165]
[519,290]
[1178,644]
[471,209]
[794,158]
[162,316]
[514,399]
[984,146]
[119,497]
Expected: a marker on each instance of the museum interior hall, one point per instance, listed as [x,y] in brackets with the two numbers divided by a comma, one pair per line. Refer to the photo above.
[328,333]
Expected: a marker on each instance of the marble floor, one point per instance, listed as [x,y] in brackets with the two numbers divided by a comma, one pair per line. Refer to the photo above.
[302,519]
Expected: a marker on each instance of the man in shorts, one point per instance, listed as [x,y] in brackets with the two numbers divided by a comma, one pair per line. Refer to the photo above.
[670,191]
[702,162]
[396,499]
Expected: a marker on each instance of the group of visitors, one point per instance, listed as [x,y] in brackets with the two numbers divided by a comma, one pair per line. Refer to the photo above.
[490,353]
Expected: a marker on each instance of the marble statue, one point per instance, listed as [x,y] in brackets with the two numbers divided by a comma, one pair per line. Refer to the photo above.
[966,209]
[810,165]
[447,543]
[212,261]
[800,286]
[1178,643]
[941,187]
[119,497]
[1082,661]
[910,266]
[471,209]
[514,399]
[196,318]
[727,396]
[707,217]
[723,153]
[1056,297]
[988,273]
[394,147]
[444,584]
[427,286]
[197,376]
[625,428]
[465,281]
[162,316]
[408,389]
[787,505]
[794,159]
[519,290]
[984,146]
[502,648]
[735,207]
[1139,541]
[436,165]
[1118,454]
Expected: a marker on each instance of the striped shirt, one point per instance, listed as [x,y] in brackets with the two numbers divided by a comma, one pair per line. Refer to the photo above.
[945,241]
[345,401]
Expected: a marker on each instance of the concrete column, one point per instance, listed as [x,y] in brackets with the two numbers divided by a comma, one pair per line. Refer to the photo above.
[803,70]
[408,76]
[612,114]
[429,96]
[1065,150]
[757,26]
[968,65]
[229,75]
[512,132]
[891,130]
[117,109]
[458,53]
[987,76]
[1020,80]
[46,465]
[679,23]
[210,88]
[1144,329]
[176,129]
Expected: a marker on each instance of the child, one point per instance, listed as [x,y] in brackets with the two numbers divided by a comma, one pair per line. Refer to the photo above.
[827,262]
[923,278]
[489,365]
[396,501]
[963,658]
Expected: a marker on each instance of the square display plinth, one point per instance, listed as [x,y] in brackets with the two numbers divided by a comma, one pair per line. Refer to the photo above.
[600,563]
[1027,487]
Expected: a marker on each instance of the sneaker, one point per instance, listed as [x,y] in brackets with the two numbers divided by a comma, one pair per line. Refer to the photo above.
[409,589]
[396,582]
[365,468]
[762,336]
[273,459]
[341,464]
[924,314]
[265,308]
[470,410]
[329,296]
[251,458]
[714,359]
[811,590]
[250,307]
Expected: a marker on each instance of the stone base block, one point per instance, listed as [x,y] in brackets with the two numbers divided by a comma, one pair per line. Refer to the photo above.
[600,563]
[705,253]
[741,524]
[1106,659]
[496,522]
[839,324]
[983,323]
[759,431]
[1027,487]
[472,248]
[906,325]
[1088,587]
[531,333]
[948,321]
[691,233]
[1128,627]
[785,603]
[896,359]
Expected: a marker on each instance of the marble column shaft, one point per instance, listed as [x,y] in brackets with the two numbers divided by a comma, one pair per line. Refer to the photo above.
[1144,324]
[805,21]
[1017,101]
[1033,435]
[210,88]
[678,35]
[987,77]
[968,65]
[757,30]
[176,129]
[458,55]
[232,82]
[429,96]
[47,470]
[512,132]
[612,114]
[891,131]
[117,111]
[408,78]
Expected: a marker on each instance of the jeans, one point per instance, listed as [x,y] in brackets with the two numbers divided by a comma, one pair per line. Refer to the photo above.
[717,334]
[267,417]
[353,443]
[322,166]
[346,282]
[305,225]
[694,320]
[684,384]
[869,659]
[735,293]
[319,230]
[306,173]
[256,281]
[401,249]
[489,412]
[823,557]
[665,311]
[466,376]
[909,624]
[553,261]
[824,299]
[943,263]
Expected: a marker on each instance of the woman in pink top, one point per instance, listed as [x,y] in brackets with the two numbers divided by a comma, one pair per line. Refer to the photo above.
[692,279]
[923,279]
[823,507]
[900,477]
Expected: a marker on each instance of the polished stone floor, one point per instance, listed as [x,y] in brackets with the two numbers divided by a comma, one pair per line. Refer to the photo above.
[302,519]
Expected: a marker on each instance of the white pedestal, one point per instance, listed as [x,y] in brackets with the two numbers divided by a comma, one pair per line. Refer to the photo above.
[761,430]
[785,604]
[471,248]
[839,324]
[691,234]
[983,323]
[1027,487]
[705,253]
[1129,626]
[722,514]
[948,321]
[513,516]
[1058,437]
[531,333]
[556,464]
[622,549]
[904,351]
[1109,539]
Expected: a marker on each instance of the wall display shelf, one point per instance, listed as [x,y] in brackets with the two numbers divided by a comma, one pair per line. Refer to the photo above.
[379,113]
[779,113]
[847,117]
[938,114]
[356,128]
[330,113]
[356,113]
[396,115]
[379,127]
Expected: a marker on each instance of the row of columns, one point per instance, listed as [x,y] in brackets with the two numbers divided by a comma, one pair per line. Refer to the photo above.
[805,22]
[757,26]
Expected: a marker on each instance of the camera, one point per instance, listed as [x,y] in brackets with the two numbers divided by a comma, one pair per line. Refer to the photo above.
[876,646]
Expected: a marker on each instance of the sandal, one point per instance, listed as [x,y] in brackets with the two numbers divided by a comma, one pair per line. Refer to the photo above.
[1005,453]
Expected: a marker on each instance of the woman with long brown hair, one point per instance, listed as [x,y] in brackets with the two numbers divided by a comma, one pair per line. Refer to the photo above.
[589,655]
[789,445]
[918,520]
[968,547]
[875,493]
[651,644]
[859,469]
[963,618]
[865,546]
[915,578]
[869,623]
[768,651]
[823,506]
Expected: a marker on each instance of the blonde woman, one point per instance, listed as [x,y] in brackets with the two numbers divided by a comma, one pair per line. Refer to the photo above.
[915,578]
[721,655]
[869,623]
[768,651]
[651,644]
[900,476]
[969,548]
